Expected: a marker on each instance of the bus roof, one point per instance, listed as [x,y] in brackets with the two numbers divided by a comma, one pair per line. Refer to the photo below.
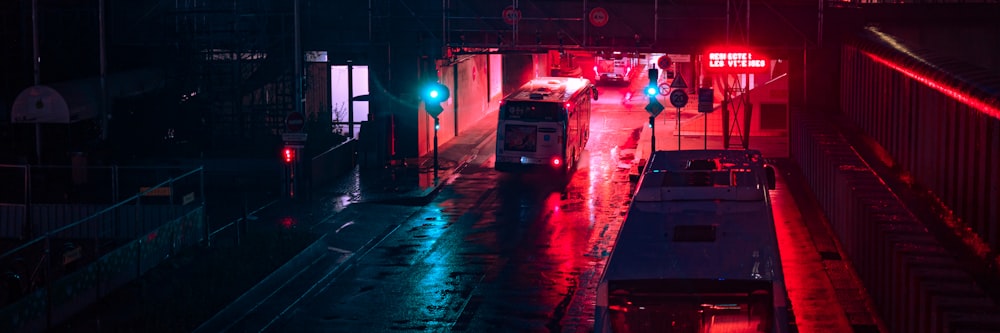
[703,175]
[548,89]
[713,240]
[698,231]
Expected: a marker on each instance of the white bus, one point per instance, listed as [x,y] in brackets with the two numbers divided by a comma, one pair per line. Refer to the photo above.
[698,250]
[545,125]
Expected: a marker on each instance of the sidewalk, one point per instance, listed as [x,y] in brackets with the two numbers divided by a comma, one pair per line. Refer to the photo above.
[206,288]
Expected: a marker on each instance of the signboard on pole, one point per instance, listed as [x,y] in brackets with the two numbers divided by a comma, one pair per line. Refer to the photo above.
[679,57]
[679,82]
[705,99]
[664,89]
[678,98]
[654,107]
[664,62]
[294,122]
[295,139]
[598,16]
[511,15]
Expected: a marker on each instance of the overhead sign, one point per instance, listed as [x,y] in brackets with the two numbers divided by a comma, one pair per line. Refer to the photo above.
[598,16]
[735,61]
[511,15]
[678,98]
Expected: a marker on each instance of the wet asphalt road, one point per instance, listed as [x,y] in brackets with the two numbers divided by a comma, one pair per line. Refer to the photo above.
[492,252]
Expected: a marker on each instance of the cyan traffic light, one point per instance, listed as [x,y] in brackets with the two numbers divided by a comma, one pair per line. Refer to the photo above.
[433,94]
[652,90]
[653,87]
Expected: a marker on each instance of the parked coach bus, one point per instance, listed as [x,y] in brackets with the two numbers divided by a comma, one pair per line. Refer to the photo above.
[544,125]
[698,250]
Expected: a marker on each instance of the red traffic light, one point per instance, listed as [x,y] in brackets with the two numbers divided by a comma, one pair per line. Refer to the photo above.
[288,154]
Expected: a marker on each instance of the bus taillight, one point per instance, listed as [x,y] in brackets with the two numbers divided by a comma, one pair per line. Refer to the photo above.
[556,161]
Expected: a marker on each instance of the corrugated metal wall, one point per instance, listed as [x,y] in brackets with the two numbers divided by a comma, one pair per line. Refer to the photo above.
[946,145]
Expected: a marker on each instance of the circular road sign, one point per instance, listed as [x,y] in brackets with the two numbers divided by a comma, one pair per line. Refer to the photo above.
[663,62]
[678,98]
[294,122]
[598,16]
[511,15]
[664,89]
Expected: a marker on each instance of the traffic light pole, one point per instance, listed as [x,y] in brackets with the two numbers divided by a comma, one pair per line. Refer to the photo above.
[706,132]
[678,128]
[436,124]
[652,138]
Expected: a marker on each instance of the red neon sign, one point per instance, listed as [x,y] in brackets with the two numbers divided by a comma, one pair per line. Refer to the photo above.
[735,61]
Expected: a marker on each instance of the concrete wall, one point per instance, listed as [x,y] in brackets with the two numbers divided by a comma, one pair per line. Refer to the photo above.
[467,79]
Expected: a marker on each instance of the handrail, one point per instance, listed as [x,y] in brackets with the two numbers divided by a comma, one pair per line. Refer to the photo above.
[92,216]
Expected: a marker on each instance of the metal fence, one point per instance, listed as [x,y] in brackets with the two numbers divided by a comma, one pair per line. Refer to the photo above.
[60,255]
[37,199]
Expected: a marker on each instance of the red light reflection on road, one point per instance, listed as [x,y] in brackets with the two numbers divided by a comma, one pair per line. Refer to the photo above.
[564,238]
[288,222]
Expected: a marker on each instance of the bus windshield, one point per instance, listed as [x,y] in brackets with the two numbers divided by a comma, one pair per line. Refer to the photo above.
[532,111]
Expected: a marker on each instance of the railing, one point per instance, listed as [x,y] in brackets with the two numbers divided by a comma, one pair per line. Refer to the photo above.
[38,198]
[80,252]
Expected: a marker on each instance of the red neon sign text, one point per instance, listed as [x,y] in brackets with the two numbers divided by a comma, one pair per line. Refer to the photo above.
[734,60]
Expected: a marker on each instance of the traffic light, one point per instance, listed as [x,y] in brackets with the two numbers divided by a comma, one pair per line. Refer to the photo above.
[288,154]
[651,91]
[653,88]
[433,95]
[654,107]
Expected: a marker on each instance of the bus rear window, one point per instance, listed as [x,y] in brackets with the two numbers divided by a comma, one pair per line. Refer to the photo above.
[532,111]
